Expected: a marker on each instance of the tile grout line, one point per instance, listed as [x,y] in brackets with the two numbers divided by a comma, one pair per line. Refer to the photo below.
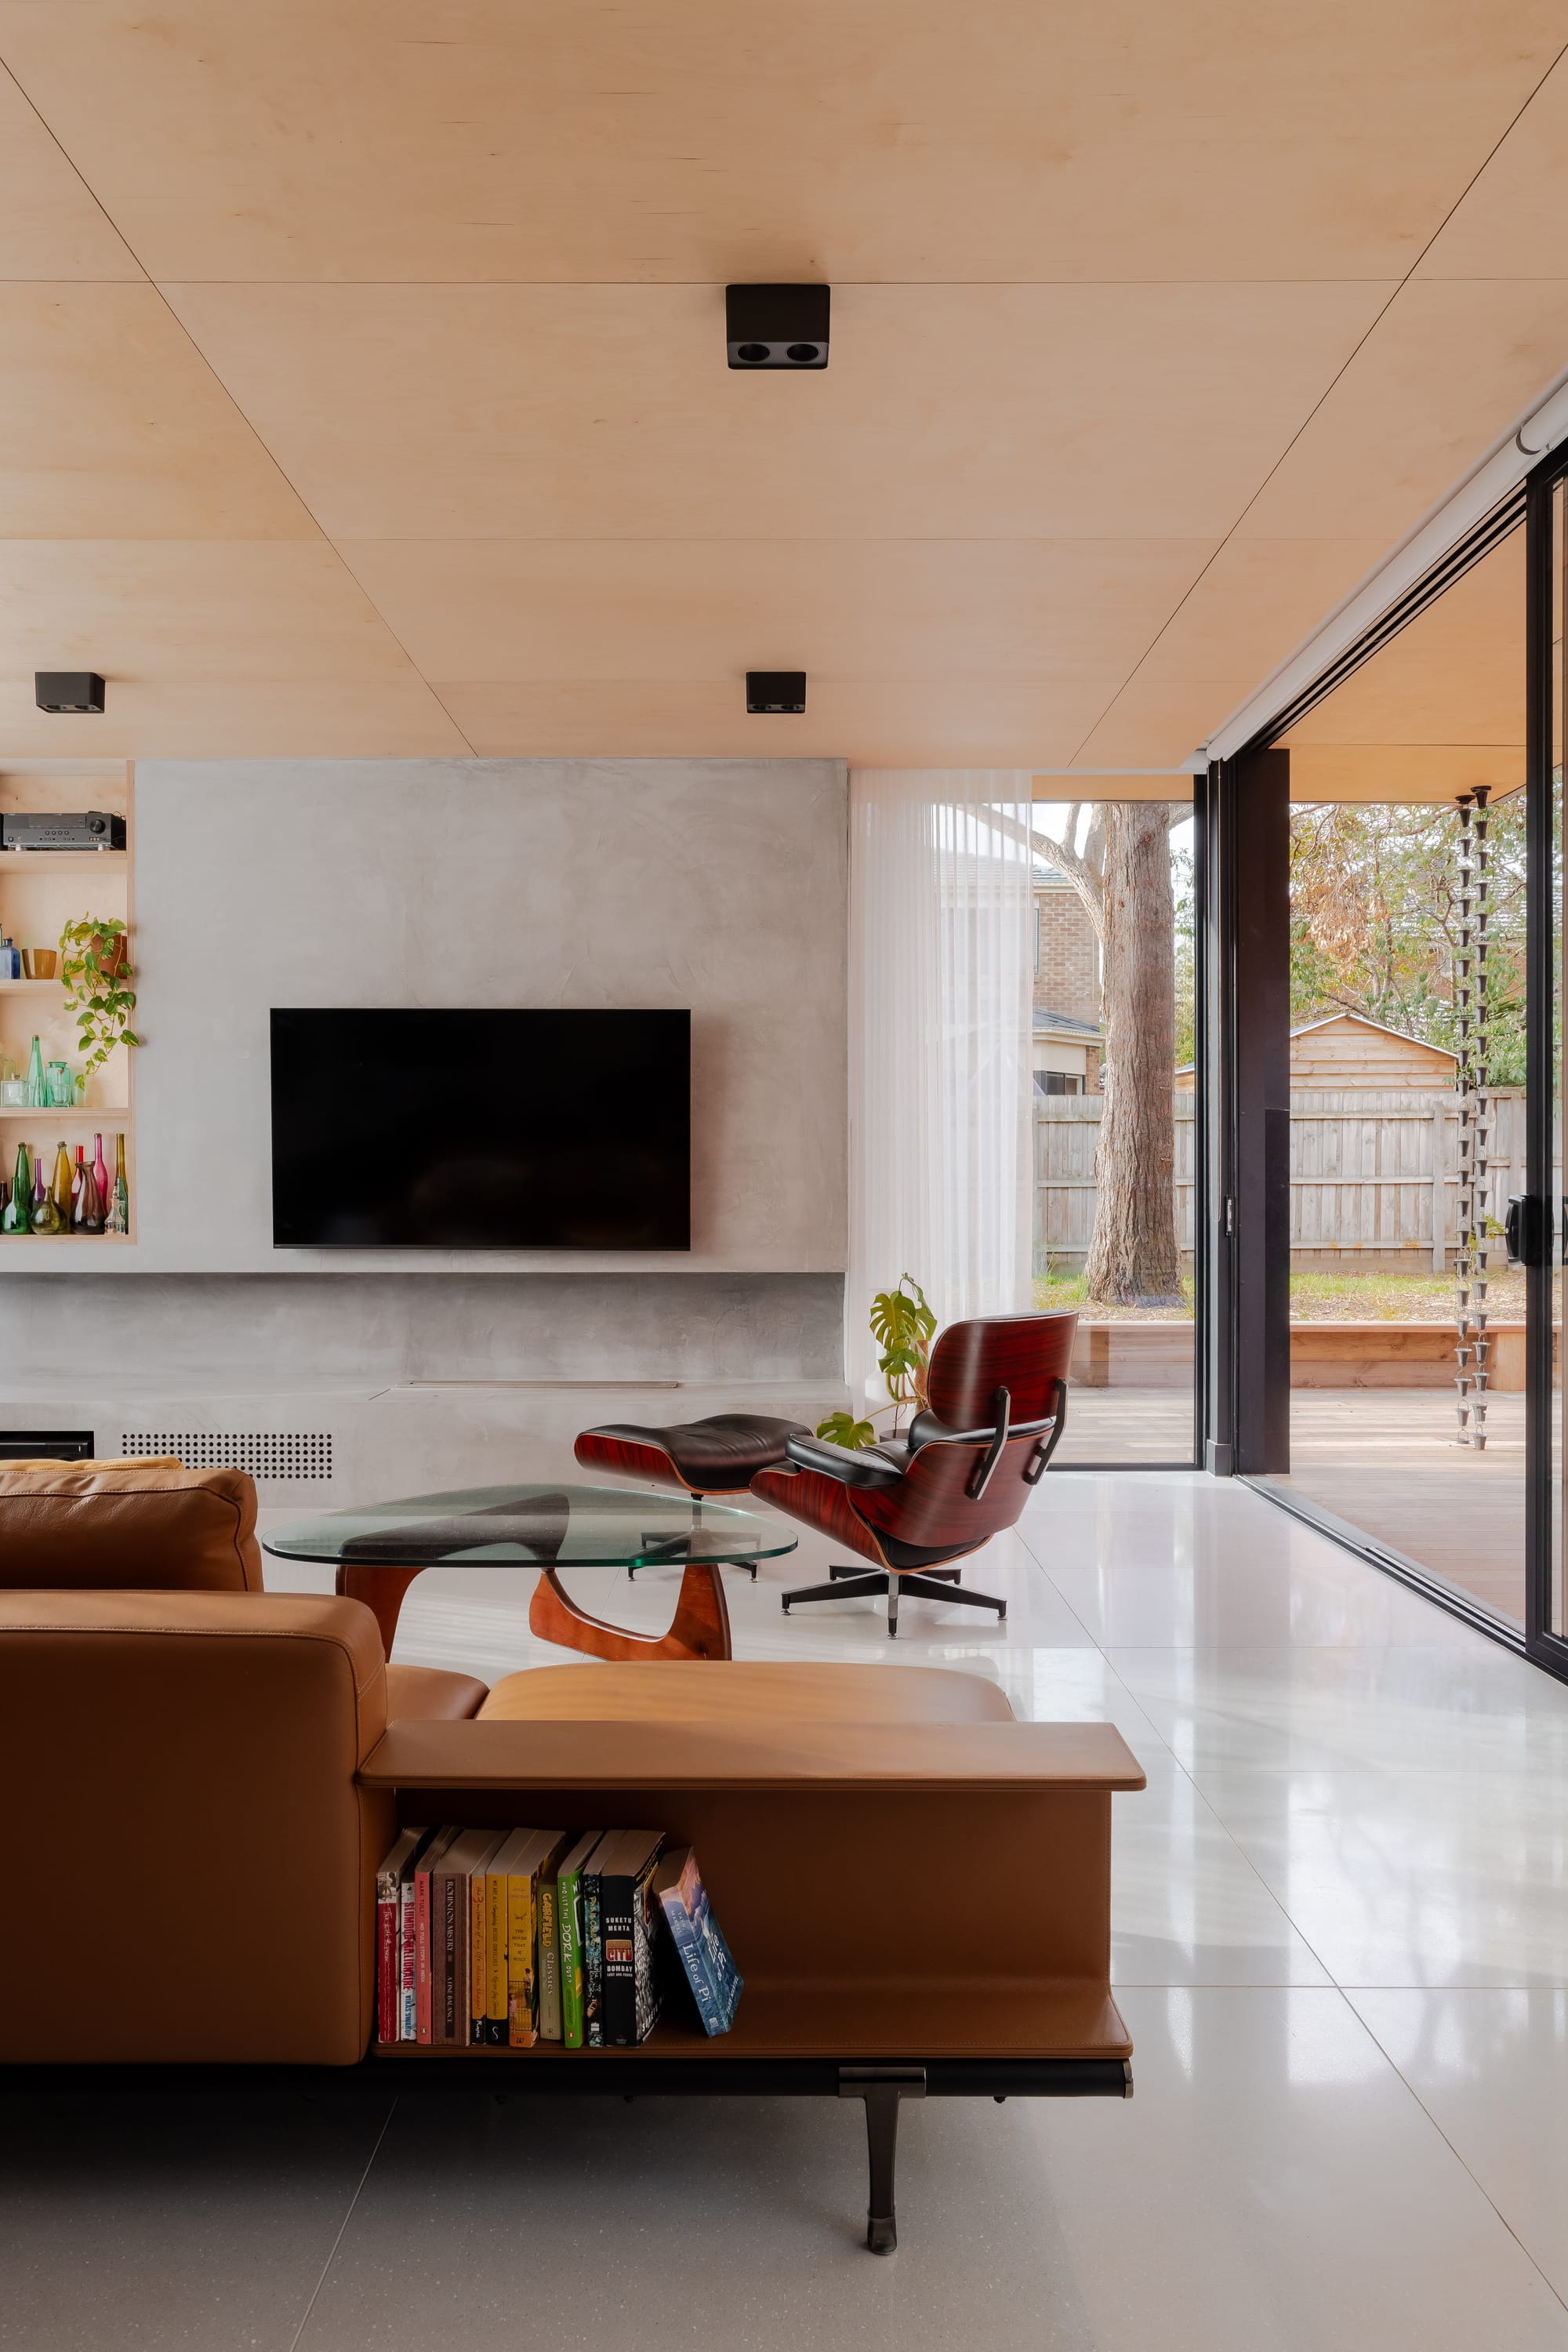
[333,2250]
[1371,2032]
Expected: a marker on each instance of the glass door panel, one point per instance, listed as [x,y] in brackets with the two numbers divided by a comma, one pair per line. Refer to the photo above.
[1115,1116]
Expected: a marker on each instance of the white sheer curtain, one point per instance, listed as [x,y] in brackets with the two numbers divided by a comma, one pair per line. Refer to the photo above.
[941,990]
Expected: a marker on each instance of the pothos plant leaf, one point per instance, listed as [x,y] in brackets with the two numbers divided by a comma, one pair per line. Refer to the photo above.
[95,971]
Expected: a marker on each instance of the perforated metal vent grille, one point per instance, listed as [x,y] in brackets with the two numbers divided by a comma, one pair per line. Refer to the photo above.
[264,1453]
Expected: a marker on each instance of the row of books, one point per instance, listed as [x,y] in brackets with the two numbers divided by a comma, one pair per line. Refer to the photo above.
[513,1937]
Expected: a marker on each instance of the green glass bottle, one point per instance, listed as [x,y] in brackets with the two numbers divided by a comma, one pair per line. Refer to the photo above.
[120,1207]
[37,1085]
[47,1218]
[17,1217]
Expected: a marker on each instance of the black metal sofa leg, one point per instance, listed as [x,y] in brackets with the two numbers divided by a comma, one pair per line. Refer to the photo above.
[882,2088]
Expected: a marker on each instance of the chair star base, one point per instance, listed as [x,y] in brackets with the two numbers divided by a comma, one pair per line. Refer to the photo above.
[850,1583]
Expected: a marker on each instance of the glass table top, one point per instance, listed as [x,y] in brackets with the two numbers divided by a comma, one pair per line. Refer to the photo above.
[544,1526]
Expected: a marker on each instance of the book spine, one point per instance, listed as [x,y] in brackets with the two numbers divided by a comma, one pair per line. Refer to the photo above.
[592,1962]
[693,1961]
[388,1999]
[519,2025]
[479,1973]
[549,1961]
[443,1990]
[569,1909]
[496,1957]
[728,1981]
[460,1957]
[407,2023]
[620,1992]
[423,1947]
[646,1920]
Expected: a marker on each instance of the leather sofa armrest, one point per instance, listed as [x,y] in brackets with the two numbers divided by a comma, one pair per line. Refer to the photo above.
[866,1471]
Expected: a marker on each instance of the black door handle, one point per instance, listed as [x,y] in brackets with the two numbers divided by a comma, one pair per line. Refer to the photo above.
[1523,1229]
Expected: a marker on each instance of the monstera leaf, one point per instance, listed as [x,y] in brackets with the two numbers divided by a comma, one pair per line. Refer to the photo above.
[903,1324]
[843,1429]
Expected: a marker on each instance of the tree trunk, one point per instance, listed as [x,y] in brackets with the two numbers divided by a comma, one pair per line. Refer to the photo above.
[1132,1251]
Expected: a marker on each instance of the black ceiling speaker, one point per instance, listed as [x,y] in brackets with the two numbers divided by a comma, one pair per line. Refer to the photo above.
[775,690]
[777,326]
[67,689]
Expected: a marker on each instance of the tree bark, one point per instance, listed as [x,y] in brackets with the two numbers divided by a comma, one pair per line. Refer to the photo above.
[1133,1255]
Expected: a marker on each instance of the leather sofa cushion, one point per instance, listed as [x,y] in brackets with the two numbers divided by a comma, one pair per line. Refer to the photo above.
[187,1761]
[670,1690]
[431,1693]
[126,1527]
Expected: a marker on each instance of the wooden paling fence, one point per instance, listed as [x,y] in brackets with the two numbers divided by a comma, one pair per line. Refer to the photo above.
[1373,1175]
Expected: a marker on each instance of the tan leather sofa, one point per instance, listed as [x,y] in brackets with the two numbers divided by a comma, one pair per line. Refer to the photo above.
[202,1783]
[152,1525]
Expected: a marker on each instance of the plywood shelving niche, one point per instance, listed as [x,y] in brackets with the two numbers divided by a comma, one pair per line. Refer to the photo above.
[40,891]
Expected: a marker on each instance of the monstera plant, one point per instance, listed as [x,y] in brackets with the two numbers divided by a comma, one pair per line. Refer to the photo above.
[903,1325]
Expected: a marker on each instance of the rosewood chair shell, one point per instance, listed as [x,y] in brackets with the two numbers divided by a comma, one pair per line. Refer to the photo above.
[997,1389]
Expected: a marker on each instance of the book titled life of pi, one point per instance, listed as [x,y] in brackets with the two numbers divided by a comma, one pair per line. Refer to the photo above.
[698,1941]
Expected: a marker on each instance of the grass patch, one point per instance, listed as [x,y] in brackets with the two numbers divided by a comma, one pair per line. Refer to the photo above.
[1315,1297]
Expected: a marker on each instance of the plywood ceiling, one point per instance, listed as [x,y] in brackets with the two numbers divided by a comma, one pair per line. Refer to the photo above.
[363,388]
[1438,710]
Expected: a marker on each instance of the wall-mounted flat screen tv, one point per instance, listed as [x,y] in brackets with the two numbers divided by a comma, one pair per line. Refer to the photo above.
[494,1129]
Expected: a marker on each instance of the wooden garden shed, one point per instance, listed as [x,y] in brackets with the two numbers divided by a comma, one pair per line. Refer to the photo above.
[1346,1052]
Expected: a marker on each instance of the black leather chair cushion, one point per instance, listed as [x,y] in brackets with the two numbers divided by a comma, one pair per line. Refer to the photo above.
[719,1456]
[867,1469]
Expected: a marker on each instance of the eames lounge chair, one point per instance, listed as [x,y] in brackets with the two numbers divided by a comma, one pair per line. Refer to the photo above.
[997,1390]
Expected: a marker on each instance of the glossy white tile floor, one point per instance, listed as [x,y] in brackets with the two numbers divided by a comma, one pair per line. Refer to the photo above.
[1341,1945]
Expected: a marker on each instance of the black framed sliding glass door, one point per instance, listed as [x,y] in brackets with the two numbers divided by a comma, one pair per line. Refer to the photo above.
[1539,1220]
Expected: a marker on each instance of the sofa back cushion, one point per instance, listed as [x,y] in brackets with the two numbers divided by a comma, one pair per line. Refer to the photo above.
[135,1526]
[179,1769]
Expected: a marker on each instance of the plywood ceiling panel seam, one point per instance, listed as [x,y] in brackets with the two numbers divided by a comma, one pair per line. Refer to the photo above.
[1328,393]
[441,698]
[83,183]
[513,284]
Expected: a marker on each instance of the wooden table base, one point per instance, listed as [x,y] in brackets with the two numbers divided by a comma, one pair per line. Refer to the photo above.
[698,1629]
[381,1590]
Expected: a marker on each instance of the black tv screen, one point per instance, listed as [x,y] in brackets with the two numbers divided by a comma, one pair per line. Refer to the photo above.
[481,1131]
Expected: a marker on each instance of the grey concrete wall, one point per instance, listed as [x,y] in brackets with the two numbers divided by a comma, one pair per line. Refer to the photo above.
[714,884]
[234,1332]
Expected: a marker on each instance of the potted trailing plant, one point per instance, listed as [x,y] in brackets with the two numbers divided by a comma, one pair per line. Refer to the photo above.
[903,1325]
[95,964]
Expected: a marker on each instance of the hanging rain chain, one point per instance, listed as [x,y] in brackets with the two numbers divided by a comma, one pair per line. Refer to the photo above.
[1472,1349]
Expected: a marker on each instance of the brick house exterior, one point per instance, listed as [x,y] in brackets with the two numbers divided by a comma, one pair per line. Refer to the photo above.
[1066,987]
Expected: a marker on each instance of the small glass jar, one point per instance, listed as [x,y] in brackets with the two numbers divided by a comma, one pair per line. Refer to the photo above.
[61,1087]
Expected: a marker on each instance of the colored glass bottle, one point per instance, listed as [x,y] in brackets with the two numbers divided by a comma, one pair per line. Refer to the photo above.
[101,1170]
[64,1186]
[120,1210]
[47,1218]
[76,1173]
[18,1214]
[86,1209]
[37,1085]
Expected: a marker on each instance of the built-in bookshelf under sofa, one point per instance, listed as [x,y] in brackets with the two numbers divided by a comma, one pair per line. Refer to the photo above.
[920,1909]
[918,1906]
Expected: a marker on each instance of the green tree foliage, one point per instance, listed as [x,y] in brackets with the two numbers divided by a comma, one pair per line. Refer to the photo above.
[1374,922]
